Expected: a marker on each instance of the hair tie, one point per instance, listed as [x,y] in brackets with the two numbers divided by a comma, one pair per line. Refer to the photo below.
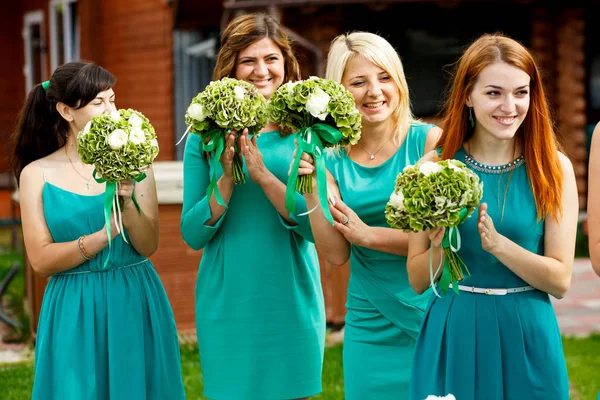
[45,85]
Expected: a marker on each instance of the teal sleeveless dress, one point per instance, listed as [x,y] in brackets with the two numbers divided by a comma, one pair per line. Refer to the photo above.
[383,312]
[479,346]
[260,314]
[103,333]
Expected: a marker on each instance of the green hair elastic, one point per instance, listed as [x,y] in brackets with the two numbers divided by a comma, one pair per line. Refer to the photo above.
[45,85]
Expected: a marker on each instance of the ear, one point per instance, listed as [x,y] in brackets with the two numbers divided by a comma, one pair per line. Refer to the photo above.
[65,111]
[468,102]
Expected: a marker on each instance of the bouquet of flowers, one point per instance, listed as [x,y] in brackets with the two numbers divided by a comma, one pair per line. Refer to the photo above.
[225,105]
[121,145]
[433,194]
[324,115]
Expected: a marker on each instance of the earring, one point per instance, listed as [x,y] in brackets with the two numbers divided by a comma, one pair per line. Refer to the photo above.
[471,117]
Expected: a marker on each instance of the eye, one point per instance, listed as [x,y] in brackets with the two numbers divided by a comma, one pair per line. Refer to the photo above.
[522,93]
[385,78]
[493,93]
[273,58]
[246,62]
[357,83]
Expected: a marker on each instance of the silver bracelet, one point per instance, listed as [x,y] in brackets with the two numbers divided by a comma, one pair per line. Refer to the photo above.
[79,248]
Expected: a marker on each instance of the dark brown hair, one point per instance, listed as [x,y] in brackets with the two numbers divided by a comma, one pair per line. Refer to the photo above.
[40,129]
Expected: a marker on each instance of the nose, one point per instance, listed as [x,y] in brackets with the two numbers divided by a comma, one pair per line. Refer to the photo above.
[260,69]
[508,105]
[374,89]
[110,107]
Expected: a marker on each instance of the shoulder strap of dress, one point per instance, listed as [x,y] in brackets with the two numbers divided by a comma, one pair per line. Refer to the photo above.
[42,168]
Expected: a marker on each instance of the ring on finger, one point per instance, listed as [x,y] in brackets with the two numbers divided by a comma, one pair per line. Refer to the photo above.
[346,221]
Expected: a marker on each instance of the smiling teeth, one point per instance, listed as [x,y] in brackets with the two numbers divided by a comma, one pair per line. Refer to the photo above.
[505,119]
[374,105]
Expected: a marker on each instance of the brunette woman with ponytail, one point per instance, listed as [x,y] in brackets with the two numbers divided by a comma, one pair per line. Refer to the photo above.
[103,333]
[499,338]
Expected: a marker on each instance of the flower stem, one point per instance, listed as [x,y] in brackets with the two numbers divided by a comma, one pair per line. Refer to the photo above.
[238,171]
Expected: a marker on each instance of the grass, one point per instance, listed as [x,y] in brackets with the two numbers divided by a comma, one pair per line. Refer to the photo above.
[583,364]
[16,380]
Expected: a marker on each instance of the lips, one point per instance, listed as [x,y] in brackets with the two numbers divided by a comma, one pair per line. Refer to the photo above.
[260,82]
[506,120]
[373,105]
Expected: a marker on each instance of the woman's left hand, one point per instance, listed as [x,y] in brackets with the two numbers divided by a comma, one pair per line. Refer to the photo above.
[125,191]
[254,159]
[490,238]
[349,224]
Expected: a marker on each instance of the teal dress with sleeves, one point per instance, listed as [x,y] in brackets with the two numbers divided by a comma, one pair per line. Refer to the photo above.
[479,346]
[260,315]
[103,333]
[383,312]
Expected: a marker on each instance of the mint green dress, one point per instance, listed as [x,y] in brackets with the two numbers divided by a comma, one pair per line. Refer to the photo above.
[479,346]
[383,312]
[260,315]
[103,333]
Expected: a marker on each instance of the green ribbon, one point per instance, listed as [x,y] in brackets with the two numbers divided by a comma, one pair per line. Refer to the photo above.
[451,244]
[309,141]
[216,143]
[110,198]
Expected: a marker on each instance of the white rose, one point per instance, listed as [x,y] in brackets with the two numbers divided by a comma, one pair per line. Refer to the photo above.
[454,167]
[316,104]
[450,396]
[135,121]
[397,200]
[137,136]
[115,115]
[196,111]
[86,128]
[154,143]
[429,167]
[290,85]
[239,93]
[117,139]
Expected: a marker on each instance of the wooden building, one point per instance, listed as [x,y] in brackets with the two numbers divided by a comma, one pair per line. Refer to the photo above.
[162,52]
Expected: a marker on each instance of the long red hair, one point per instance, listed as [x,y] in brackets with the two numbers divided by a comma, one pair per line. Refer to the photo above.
[537,135]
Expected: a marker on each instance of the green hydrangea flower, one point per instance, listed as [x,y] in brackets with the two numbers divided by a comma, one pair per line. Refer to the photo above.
[225,105]
[121,145]
[433,194]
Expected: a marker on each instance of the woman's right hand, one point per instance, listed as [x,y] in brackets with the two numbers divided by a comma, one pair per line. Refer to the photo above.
[307,163]
[436,236]
[227,155]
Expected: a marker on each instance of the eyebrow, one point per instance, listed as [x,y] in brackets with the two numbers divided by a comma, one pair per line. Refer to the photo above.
[500,87]
[252,58]
[100,97]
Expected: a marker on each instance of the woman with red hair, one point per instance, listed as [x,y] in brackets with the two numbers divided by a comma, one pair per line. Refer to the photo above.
[499,338]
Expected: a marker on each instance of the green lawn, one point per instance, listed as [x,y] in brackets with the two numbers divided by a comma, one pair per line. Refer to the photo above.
[583,361]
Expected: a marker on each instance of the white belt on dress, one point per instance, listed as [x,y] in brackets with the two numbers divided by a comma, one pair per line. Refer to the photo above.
[494,292]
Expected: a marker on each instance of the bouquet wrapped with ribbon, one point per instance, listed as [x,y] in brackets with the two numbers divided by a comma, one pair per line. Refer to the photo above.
[323,114]
[434,194]
[225,105]
[121,145]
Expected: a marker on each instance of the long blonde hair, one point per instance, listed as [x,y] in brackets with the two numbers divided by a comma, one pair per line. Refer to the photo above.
[381,53]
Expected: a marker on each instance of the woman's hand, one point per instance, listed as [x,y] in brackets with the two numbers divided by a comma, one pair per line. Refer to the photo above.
[227,155]
[349,224]
[436,236]
[254,160]
[490,238]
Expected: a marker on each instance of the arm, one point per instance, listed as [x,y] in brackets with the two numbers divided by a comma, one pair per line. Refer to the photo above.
[201,217]
[550,272]
[142,224]
[593,206]
[420,244]
[46,256]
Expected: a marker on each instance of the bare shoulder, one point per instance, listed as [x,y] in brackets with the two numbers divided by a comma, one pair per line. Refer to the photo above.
[433,135]
[565,163]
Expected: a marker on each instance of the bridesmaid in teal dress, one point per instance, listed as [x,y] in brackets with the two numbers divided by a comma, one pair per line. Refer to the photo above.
[383,312]
[260,314]
[103,332]
[499,338]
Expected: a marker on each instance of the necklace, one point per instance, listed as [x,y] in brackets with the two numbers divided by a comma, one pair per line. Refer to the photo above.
[372,155]
[87,180]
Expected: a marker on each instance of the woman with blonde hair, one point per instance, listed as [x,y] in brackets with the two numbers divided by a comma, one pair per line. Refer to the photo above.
[499,339]
[259,304]
[383,312]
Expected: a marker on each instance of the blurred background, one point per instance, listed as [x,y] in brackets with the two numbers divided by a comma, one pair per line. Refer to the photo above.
[163,52]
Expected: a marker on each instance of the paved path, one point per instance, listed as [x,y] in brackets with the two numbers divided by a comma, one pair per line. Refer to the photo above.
[578,312]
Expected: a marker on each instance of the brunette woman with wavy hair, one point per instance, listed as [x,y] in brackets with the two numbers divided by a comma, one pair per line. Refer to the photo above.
[260,313]
[499,339]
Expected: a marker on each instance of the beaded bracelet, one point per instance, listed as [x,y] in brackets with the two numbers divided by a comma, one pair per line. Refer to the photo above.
[82,250]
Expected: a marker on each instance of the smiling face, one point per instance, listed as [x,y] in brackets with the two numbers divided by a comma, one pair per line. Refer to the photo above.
[500,100]
[375,93]
[262,65]
[103,103]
